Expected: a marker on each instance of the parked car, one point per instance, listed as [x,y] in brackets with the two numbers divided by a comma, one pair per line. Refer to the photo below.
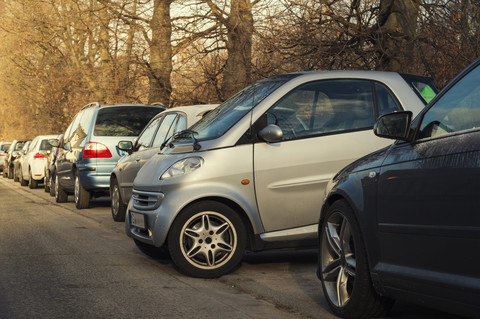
[403,222]
[160,129]
[32,165]
[50,166]
[3,152]
[88,152]
[18,160]
[12,154]
[252,173]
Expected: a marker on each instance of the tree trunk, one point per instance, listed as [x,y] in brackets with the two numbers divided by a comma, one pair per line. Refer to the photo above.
[238,68]
[397,22]
[160,67]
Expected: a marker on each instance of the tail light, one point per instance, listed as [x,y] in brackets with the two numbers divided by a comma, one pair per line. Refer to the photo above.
[96,150]
[38,155]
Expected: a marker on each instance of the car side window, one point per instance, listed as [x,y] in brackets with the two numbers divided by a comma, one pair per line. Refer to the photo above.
[324,107]
[32,145]
[458,109]
[73,134]
[145,139]
[181,123]
[165,130]
[386,101]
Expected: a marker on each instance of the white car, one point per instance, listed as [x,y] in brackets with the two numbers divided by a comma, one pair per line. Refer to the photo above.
[32,166]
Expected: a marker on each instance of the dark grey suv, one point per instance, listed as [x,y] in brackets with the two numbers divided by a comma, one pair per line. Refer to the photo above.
[89,151]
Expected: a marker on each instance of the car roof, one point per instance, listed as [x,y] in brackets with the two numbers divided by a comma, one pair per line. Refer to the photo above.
[97,104]
[193,112]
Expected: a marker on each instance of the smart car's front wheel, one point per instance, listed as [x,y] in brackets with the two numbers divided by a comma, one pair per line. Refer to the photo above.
[343,267]
[207,240]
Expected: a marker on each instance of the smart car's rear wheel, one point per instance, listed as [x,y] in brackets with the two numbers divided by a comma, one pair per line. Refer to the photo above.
[118,208]
[82,196]
[207,240]
[152,251]
[343,267]
[60,195]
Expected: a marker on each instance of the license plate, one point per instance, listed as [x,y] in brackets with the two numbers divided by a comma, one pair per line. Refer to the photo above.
[137,220]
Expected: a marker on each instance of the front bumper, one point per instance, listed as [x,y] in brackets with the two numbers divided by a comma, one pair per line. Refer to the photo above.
[157,223]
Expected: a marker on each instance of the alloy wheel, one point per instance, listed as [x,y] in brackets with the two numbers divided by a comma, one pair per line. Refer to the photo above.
[338,262]
[208,240]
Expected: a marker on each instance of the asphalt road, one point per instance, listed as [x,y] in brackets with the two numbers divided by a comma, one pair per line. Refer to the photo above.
[60,262]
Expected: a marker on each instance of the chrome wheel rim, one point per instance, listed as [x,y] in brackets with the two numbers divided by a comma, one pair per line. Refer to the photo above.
[338,261]
[208,240]
[115,200]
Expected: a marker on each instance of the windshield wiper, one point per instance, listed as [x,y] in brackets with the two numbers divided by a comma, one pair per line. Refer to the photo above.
[192,133]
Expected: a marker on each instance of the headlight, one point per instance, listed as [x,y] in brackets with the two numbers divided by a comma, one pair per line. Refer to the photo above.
[182,167]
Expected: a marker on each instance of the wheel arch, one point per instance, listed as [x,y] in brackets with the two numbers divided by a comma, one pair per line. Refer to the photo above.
[367,233]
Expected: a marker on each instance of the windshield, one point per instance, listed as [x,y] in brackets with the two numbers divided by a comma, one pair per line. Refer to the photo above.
[220,120]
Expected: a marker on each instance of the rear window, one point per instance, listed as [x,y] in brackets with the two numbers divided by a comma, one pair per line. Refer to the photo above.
[5,147]
[45,146]
[422,85]
[19,146]
[123,121]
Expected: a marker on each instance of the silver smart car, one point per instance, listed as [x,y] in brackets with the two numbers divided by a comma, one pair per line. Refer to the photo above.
[251,175]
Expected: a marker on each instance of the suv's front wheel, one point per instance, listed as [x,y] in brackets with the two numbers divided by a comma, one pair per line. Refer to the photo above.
[81,195]
[207,240]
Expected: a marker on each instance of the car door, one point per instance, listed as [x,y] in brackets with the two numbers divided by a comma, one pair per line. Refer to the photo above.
[428,200]
[326,125]
[72,147]
[158,130]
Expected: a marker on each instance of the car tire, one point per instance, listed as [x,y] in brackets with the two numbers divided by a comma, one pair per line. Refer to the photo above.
[152,251]
[46,186]
[81,195]
[203,254]
[32,183]
[343,263]
[52,186]
[61,195]
[15,175]
[22,181]
[118,207]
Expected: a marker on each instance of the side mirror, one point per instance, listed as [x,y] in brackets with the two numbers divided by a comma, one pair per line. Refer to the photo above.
[66,147]
[126,146]
[394,125]
[271,133]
